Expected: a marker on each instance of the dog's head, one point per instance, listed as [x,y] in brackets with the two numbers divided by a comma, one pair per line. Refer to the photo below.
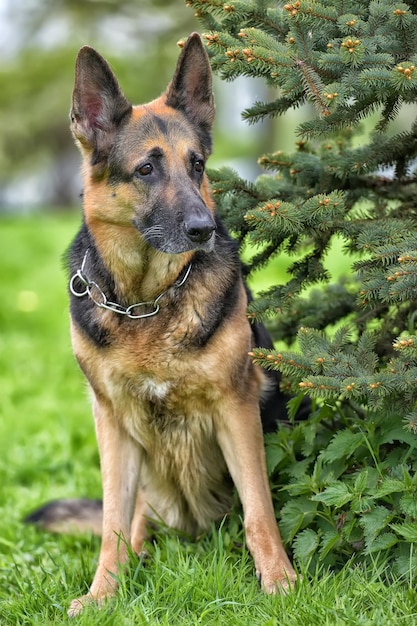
[144,165]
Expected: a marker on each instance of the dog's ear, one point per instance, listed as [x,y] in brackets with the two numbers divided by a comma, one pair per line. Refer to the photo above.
[191,89]
[98,104]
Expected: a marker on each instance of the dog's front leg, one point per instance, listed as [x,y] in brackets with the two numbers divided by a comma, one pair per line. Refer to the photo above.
[241,440]
[119,459]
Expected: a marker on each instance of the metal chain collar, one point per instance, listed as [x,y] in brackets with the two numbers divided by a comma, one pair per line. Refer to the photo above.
[99,298]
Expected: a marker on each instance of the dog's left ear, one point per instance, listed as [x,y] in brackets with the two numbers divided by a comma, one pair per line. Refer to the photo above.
[191,89]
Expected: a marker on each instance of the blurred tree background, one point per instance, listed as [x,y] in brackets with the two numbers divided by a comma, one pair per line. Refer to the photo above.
[39,40]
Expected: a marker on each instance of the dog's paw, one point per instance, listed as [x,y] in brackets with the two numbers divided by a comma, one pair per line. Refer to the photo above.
[79,604]
[285,583]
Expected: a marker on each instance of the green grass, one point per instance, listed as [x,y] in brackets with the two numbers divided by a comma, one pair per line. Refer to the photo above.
[48,450]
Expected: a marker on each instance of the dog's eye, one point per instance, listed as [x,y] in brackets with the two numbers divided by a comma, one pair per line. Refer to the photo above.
[199,166]
[144,170]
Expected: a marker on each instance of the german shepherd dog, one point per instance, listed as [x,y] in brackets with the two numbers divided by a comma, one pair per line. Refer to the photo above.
[159,325]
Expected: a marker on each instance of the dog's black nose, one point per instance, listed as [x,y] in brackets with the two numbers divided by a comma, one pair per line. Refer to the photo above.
[200,229]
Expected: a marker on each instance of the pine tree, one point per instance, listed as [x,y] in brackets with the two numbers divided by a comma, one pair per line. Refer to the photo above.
[351,344]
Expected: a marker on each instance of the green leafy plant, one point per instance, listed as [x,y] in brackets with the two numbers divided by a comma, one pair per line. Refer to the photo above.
[345,479]
[349,488]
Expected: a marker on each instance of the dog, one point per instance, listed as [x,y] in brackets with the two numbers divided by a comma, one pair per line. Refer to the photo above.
[159,327]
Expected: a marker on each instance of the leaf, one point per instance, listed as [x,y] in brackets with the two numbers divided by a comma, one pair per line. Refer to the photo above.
[375,521]
[398,433]
[293,405]
[342,445]
[383,542]
[300,487]
[296,514]
[361,481]
[336,495]
[388,486]
[406,565]
[305,544]
[408,505]
[274,456]
[329,542]
[407,530]
[362,504]
[310,434]
[299,469]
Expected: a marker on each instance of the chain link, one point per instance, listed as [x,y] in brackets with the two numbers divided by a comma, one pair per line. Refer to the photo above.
[97,295]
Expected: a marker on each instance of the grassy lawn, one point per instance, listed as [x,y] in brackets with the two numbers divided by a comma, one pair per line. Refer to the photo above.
[48,450]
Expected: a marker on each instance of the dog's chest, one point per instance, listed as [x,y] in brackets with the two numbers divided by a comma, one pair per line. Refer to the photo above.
[167,397]
[166,410]
[154,390]
[167,415]
[177,431]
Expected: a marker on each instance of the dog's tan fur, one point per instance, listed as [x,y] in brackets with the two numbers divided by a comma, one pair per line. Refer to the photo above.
[172,417]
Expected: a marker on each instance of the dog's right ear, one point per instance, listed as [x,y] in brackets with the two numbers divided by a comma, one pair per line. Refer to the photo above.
[98,104]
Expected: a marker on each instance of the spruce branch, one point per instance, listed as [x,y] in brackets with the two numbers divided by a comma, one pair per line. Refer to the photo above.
[259,110]
[312,10]
[341,478]
[313,87]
